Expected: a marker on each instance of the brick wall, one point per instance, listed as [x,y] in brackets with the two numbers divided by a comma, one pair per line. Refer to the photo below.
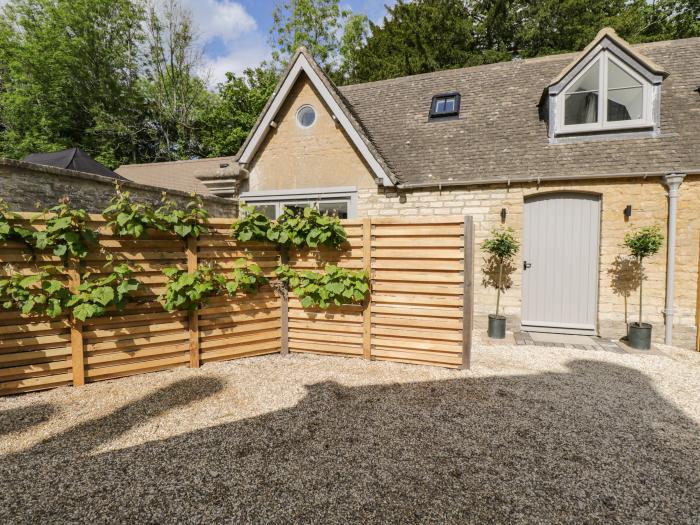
[29,188]
[649,202]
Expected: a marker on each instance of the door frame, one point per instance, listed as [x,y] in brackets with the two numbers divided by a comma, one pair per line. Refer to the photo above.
[551,327]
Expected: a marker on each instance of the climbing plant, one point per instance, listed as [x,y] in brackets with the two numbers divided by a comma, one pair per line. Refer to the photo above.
[246,277]
[190,290]
[190,222]
[335,286]
[253,226]
[98,293]
[307,229]
[9,229]
[66,233]
[126,217]
[42,293]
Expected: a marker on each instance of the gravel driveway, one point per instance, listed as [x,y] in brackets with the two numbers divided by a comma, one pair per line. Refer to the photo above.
[531,434]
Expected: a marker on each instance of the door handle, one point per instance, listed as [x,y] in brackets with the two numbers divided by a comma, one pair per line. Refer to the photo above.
[526,265]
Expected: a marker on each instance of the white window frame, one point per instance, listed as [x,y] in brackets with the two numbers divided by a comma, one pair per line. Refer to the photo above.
[604,57]
[308,196]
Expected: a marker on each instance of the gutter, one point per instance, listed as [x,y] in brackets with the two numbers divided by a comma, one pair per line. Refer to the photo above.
[538,180]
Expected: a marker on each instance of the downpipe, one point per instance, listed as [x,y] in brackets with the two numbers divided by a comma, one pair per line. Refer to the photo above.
[673,181]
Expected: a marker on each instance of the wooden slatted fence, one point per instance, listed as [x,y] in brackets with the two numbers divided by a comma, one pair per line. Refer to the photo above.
[419,311]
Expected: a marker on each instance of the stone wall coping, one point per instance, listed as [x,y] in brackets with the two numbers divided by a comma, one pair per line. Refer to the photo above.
[61,172]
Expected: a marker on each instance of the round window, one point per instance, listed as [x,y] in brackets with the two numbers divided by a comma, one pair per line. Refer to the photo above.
[306,116]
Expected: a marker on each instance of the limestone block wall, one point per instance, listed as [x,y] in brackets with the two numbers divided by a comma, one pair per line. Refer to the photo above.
[648,198]
[38,188]
[292,157]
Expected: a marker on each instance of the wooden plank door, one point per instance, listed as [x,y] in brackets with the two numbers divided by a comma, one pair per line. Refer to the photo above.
[561,243]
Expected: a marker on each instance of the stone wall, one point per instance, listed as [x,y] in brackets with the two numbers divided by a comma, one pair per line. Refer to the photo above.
[648,198]
[28,187]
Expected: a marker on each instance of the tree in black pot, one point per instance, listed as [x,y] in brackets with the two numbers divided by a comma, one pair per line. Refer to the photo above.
[502,246]
[642,243]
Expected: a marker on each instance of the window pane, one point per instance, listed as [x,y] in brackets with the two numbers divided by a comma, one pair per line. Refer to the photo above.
[625,95]
[625,104]
[296,207]
[449,105]
[581,108]
[268,210]
[338,209]
[618,78]
[581,99]
[440,105]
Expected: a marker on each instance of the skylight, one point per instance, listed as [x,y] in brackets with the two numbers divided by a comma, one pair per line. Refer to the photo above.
[445,105]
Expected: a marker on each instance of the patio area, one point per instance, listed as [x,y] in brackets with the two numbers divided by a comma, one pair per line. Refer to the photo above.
[530,434]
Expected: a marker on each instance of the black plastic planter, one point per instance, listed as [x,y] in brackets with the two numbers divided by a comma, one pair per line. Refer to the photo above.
[497,326]
[639,336]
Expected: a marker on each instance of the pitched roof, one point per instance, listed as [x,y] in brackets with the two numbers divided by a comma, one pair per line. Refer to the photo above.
[499,134]
[303,63]
[71,159]
[182,175]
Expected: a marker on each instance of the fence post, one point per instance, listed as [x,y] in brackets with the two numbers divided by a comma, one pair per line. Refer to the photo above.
[193,315]
[367,311]
[76,328]
[468,306]
[284,306]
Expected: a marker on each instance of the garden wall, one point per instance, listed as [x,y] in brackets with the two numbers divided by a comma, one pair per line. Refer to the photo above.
[420,309]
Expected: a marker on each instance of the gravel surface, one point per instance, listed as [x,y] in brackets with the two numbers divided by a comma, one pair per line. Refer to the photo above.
[530,434]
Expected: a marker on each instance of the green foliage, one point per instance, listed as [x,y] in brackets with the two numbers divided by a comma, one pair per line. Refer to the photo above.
[314,24]
[190,290]
[235,109]
[95,295]
[69,78]
[9,229]
[502,244]
[126,217]
[253,226]
[66,232]
[336,286]
[39,294]
[310,228]
[645,242]
[246,277]
[190,222]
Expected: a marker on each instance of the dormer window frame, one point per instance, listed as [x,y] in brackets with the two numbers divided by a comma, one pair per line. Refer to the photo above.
[603,59]
[604,52]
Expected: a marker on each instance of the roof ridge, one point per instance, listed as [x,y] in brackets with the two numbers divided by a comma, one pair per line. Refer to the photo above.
[516,61]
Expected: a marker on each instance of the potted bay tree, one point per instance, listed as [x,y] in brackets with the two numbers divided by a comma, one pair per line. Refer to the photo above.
[642,243]
[502,247]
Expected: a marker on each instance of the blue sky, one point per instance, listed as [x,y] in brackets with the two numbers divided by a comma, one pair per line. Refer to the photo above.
[234,33]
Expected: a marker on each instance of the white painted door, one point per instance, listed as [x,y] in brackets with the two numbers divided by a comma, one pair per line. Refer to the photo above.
[561,241]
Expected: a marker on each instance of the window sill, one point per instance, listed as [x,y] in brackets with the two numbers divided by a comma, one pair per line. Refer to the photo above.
[601,136]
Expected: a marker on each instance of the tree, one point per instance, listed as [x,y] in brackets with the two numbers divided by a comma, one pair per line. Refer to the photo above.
[420,37]
[502,246]
[643,243]
[69,74]
[177,97]
[240,100]
[314,24]
[354,37]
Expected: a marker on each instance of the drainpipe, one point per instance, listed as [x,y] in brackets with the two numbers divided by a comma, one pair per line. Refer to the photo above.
[673,181]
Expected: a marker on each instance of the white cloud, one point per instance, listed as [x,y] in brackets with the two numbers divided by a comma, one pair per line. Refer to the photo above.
[236,60]
[220,19]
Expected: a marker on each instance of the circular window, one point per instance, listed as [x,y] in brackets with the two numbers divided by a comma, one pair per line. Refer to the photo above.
[306,116]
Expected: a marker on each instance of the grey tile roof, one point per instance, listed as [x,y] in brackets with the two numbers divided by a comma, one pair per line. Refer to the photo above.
[499,134]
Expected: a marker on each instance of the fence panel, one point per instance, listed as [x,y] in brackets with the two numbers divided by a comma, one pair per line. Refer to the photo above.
[419,310]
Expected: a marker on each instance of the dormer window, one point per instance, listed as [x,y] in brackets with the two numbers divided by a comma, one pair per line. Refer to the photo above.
[445,105]
[605,95]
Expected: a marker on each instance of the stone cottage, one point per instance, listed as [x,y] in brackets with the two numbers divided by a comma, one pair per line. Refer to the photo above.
[571,151]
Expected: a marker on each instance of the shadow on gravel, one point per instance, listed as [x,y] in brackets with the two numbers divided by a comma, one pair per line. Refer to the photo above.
[596,444]
[23,418]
